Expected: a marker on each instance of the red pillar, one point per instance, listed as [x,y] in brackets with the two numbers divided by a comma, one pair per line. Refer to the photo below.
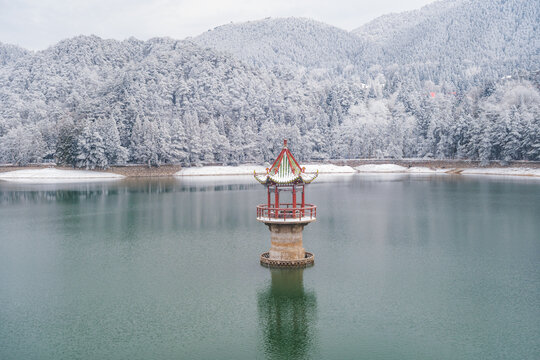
[276,205]
[294,200]
[269,201]
[303,199]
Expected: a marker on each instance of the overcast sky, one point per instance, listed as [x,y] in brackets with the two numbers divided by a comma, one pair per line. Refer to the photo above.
[36,24]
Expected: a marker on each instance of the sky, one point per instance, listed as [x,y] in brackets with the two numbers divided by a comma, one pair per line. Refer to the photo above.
[37,24]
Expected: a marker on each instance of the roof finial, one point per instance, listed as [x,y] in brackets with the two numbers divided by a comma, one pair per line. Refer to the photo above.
[284,143]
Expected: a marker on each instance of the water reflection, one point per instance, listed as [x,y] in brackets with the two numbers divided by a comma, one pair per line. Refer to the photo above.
[287,316]
[12,193]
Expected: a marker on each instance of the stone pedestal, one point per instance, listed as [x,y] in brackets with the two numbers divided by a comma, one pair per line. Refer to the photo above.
[286,240]
[286,245]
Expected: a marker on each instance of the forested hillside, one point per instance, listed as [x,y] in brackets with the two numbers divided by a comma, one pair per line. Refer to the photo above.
[468,89]
[289,42]
[11,53]
[459,40]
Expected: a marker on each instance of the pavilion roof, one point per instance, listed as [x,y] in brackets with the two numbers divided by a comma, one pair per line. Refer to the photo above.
[285,170]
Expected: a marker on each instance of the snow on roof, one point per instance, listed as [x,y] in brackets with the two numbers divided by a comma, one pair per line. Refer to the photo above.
[285,170]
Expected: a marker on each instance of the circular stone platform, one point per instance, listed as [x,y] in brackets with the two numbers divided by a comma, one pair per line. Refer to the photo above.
[308,260]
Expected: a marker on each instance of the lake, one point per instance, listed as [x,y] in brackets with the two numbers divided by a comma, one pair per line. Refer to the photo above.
[406,267]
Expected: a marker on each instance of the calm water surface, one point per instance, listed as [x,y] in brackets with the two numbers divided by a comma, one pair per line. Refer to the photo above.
[406,267]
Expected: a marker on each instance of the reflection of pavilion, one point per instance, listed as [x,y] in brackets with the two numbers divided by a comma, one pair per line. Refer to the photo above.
[287,314]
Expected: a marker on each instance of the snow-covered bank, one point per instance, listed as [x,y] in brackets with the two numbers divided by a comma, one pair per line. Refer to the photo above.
[248,170]
[329,169]
[502,171]
[368,168]
[220,170]
[52,175]
[392,168]
[49,176]
[382,168]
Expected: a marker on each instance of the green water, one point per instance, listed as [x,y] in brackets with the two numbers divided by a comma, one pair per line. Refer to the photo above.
[406,267]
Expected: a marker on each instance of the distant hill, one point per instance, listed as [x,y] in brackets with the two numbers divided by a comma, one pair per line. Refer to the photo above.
[501,33]
[386,27]
[285,42]
[11,53]
[460,41]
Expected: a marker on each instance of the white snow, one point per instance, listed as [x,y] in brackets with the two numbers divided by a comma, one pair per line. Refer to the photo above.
[502,171]
[50,175]
[368,168]
[221,170]
[419,170]
[248,170]
[392,168]
[329,169]
[380,168]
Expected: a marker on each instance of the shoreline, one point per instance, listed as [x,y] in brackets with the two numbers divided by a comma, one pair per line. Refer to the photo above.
[355,166]
[435,163]
[129,171]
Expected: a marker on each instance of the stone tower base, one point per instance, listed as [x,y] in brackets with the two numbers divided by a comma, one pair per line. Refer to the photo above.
[286,246]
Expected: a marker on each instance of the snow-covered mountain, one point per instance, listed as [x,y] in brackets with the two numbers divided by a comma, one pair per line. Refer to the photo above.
[11,53]
[386,27]
[501,33]
[285,42]
[459,41]
[393,88]
[196,101]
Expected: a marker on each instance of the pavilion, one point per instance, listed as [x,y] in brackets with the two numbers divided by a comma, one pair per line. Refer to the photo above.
[286,219]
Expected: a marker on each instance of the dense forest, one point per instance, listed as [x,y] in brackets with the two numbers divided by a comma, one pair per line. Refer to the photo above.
[456,79]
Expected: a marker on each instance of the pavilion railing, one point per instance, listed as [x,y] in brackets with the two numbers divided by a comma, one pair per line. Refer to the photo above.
[287,211]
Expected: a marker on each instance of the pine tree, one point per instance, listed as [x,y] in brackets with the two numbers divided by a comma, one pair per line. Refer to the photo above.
[146,141]
[22,145]
[114,152]
[66,145]
[90,149]
[178,148]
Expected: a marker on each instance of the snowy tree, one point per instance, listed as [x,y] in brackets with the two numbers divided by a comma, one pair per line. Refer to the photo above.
[114,151]
[21,146]
[91,149]
[149,143]
[66,145]
[178,142]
